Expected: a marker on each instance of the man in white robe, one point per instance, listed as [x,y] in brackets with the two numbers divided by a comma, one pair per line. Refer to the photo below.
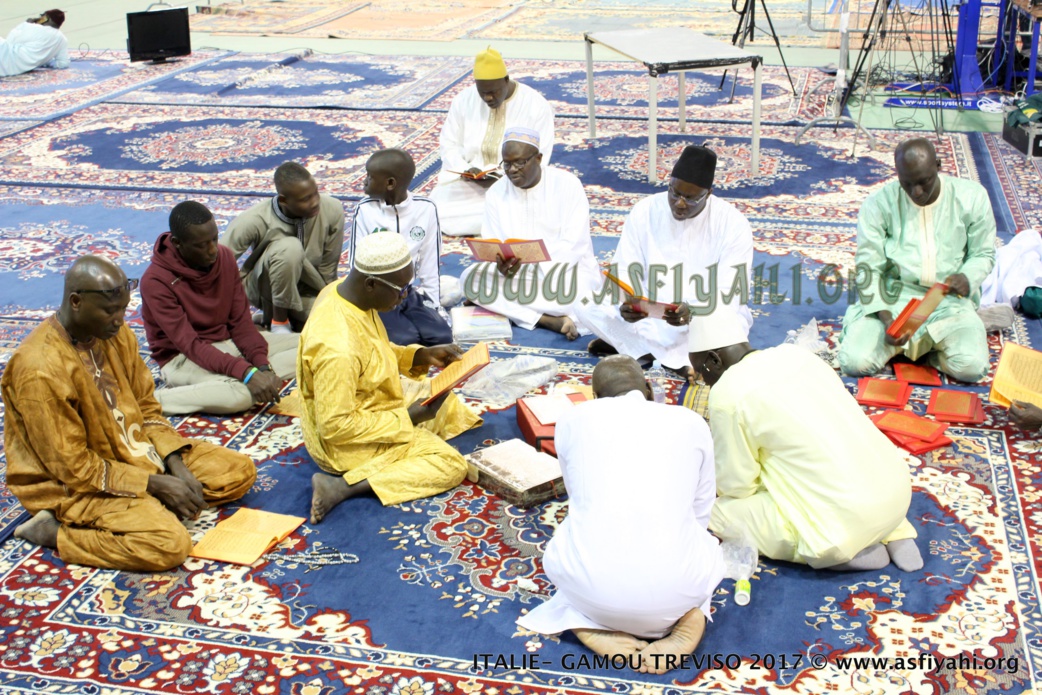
[536,202]
[34,43]
[799,465]
[471,136]
[633,560]
[684,246]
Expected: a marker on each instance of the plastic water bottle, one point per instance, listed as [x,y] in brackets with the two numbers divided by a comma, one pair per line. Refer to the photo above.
[657,379]
[740,560]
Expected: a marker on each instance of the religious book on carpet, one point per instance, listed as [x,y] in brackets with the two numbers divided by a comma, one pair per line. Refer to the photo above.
[883,392]
[654,310]
[914,445]
[956,406]
[526,250]
[917,374]
[472,323]
[289,405]
[472,362]
[245,536]
[547,409]
[539,435]
[492,173]
[916,312]
[1018,376]
[902,422]
[515,471]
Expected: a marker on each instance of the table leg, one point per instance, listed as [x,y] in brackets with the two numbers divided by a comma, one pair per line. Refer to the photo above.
[652,128]
[754,164]
[589,90]
[682,101]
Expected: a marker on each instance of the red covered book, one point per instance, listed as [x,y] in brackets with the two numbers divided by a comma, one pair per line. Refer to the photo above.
[910,425]
[956,406]
[911,444]
[917,374]
[883,392]
[916,312]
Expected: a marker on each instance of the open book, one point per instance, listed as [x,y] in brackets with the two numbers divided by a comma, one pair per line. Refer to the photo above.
[492,173]
[654,310]
[246,535]
[916,312]
[527,250]
[1018,376]
[474,360]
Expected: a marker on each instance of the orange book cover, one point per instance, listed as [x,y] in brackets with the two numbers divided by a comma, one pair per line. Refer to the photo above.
[916,312]
[883,392]
[654,310]
[481,175]
[245,536]
[911,444]
[917,374]
[473,361]
[527,250]
[911,425]
[956,406]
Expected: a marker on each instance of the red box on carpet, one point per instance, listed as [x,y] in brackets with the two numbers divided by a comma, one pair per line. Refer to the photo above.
[535,433]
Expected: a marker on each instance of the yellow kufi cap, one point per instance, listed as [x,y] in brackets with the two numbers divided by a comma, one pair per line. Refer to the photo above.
[489,65]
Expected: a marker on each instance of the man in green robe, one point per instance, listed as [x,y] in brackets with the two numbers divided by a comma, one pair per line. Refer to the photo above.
[923,228]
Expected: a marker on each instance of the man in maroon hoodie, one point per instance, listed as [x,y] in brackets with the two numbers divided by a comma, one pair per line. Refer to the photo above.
[199,326]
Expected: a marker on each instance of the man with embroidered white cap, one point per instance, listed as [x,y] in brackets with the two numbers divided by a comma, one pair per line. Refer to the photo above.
[798,463]
[536,202]
[684,246]
[471,137]
[633,563]
[363,420]
[921,229]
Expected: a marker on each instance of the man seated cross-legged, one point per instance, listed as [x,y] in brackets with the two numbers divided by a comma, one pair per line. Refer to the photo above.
[89,452]
[633,563]
[364,424]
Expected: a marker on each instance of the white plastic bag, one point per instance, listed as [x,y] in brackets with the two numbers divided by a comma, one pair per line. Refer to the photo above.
[504,381]
[808,338]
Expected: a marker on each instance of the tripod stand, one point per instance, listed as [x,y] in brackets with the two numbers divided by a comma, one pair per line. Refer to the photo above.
[836,99]
[745,31]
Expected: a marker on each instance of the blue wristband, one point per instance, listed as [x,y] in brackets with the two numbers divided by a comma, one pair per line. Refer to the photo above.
[249,375]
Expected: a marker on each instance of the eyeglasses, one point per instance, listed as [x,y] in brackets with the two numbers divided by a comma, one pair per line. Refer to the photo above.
[402,291]
[689,200]
[115,292]
[517,163]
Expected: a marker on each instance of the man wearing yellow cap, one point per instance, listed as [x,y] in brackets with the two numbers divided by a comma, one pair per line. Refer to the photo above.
[363,423]
[798,464]
[471,137]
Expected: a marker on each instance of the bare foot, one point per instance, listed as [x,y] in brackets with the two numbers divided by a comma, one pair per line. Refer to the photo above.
[666,654]
[608,643]
[42,529]
[559,324]
[327,491]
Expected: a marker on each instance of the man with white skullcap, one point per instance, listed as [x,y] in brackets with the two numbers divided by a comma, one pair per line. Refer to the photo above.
[536,202]
[798,463]
[363,423]
[684,246]
[471,136]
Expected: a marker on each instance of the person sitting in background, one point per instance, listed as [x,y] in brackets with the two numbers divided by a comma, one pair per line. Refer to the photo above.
[89,453]
[390,207]
[295,240]
[471,136]
[36,42]
[198,324]
[632,561]
[363,418]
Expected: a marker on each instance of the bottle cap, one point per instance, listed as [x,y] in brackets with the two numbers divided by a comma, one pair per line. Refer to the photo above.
[742,592]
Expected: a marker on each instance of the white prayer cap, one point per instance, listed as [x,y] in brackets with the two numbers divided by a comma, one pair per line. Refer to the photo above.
[720,329]
[381,253]
[521,134]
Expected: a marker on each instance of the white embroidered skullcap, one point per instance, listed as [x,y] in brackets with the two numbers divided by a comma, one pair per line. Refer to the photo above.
[522,134]
[381,253]
[720,329]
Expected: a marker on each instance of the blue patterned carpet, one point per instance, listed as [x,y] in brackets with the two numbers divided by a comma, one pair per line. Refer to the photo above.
[402,600]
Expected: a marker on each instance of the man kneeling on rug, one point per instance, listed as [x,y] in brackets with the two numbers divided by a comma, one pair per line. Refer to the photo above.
[89,452]
[633,563]
[798,463]
[363,423]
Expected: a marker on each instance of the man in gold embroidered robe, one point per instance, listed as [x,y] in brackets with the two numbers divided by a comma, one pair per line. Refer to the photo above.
[89,452]
[363,423]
